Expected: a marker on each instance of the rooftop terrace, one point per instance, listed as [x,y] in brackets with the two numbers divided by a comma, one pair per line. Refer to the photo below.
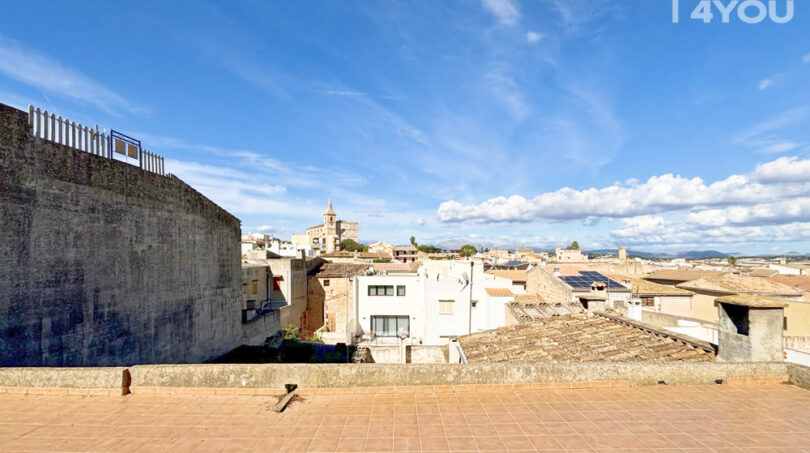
[680,418]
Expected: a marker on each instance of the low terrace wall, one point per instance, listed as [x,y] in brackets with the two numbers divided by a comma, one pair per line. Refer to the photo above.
[271,378]
[152,378]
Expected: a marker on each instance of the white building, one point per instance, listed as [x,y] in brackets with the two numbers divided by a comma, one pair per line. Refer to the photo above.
[790,269]
[430,308]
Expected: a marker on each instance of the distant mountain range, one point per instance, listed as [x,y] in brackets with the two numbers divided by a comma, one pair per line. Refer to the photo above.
[690,255]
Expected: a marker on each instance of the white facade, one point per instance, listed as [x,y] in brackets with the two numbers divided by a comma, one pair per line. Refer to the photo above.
[787,269]
[432,308]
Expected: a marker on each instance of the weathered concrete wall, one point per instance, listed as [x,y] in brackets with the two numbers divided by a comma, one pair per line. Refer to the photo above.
[104,264]
[387,375]
[799,375]
[76,377]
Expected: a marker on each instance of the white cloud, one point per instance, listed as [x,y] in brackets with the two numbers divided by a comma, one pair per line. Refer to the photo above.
[533,36]
[236,191]
[763,136]
[783,179]
[264,229]
[806,58]
[783,170]
[52,78]
[781,212]
[420,221]
[508,93]
[506,11]
[764,84]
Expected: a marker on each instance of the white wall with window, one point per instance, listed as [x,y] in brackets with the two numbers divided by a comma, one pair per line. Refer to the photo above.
[437,306]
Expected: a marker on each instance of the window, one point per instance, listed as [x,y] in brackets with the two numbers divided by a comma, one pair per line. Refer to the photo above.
[390,326]
[400,290]
[648,302]
[446,307]
[276,283]
[326,282]
[386,290]
[244,289]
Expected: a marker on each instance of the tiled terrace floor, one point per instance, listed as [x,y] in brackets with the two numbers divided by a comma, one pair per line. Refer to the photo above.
[768,418]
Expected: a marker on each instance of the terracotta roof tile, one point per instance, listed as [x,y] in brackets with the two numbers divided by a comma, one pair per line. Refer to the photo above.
[641,287]
[500,292]
[580,338]
[681,276]
[795,282]
[735,284]
[341,270]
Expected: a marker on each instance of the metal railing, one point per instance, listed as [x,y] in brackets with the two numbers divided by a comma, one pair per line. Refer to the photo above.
[48,126]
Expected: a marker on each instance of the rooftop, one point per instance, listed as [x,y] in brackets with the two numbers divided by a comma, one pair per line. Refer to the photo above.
[338,270]
[799,283]
[514,275]
[681,276]
[581,338]
[762,417]
[500,292]
[641,287]
[735,284]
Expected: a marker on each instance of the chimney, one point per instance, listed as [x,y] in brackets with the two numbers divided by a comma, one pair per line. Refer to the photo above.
[556,271]
[750,329]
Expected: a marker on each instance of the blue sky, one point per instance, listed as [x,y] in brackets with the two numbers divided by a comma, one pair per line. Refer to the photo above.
[495,122]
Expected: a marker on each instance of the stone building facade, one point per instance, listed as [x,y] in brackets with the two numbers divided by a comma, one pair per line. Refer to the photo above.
[105,264]
[331,301]
[326,237]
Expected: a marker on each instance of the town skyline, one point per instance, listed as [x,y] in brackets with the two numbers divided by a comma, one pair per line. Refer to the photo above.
[516,124]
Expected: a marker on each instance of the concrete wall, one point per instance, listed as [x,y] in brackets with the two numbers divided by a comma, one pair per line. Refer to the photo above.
[102,263]
[292,288]
[385,375]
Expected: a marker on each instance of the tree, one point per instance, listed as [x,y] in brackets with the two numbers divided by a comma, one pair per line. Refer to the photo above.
[413,241]
[574,246]
[468,250]
[351,245]
[732,261]
[429,249]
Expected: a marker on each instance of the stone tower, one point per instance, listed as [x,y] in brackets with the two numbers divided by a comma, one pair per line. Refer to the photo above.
[330,228]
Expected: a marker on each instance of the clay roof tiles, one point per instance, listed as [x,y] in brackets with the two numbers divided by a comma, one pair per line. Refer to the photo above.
[580,338]
[735,284]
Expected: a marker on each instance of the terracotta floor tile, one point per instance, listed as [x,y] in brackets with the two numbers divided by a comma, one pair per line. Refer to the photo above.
[434,444]
[517,443]
[381,444]
[324,445]
[758,418]
[351,444]
[462,444]
[508,429]
[409,444]
[490,443]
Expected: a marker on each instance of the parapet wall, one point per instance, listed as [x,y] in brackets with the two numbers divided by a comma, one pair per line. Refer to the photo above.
[105,264]
[313,376]
[272,378]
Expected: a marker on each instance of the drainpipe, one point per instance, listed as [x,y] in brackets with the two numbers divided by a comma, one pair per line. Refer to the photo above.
[469,324]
